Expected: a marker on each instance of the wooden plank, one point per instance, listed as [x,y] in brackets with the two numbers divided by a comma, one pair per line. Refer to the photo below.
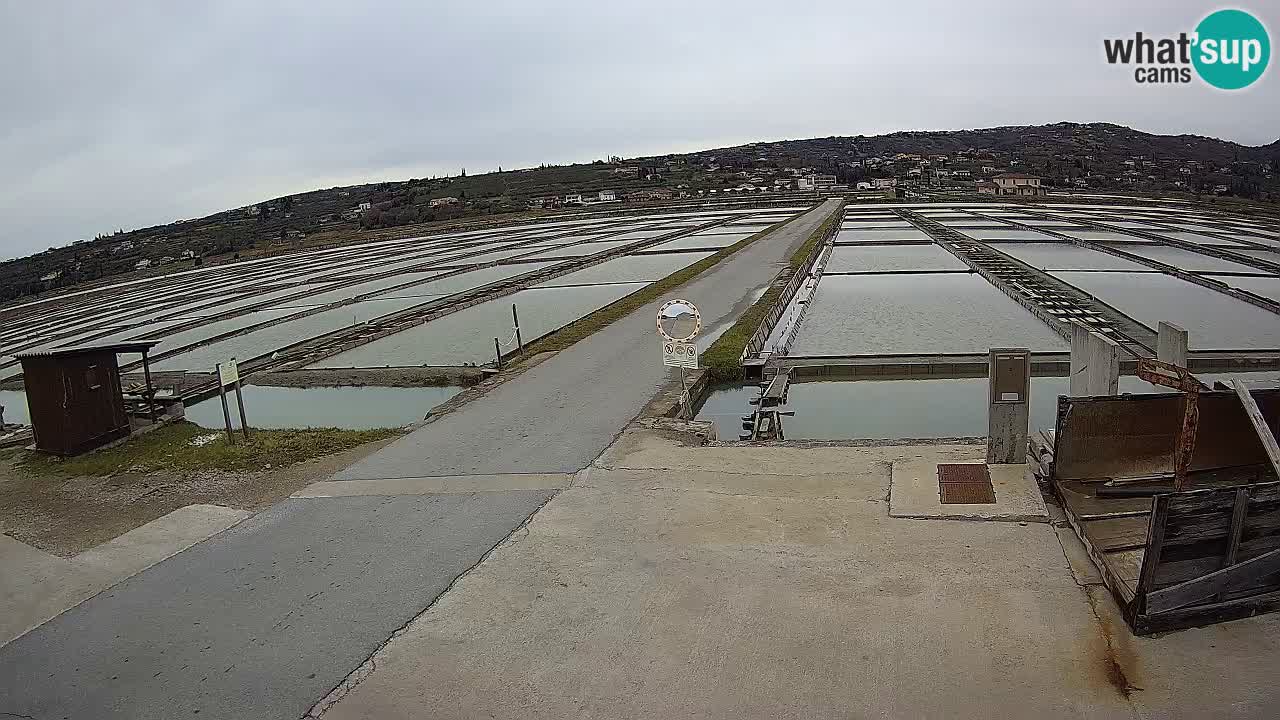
[1180,564]
[1155,545]
[1259,423]
[1121,589]
[1123,533]
[1082,503]
[1135,435]
[1207,614]
[1237,526]
[1183,594]
[777,389]
[1126,565]
[1207,517]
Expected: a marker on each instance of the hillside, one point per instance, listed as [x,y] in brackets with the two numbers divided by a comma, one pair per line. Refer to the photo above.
[1093,156]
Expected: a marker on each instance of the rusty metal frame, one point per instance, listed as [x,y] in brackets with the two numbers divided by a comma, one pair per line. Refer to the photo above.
[1164,374]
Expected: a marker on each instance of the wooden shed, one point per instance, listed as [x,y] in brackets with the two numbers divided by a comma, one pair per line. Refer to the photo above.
[75,398]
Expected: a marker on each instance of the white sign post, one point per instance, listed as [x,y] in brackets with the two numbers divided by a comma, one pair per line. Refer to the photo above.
[679,354]
[229,375]
[678,322]
[228,372]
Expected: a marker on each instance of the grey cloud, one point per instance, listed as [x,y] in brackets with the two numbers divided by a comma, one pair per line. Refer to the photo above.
[131,114]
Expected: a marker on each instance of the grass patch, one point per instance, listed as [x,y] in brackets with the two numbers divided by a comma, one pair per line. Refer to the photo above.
[170,448]
[586,326]
[723,360]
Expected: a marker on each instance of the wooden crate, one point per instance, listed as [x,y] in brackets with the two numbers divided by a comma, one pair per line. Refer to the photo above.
[1173,559]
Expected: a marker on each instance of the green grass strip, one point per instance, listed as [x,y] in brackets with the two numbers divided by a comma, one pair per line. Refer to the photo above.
[170,448]
[589,324]
[723,360]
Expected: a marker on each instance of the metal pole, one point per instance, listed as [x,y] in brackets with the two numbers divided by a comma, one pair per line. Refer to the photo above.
[244,422]
[516,319]
[684,396]
[226,412]
[497,351]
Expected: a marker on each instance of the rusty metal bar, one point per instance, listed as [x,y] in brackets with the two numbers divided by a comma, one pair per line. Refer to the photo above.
[1164,374]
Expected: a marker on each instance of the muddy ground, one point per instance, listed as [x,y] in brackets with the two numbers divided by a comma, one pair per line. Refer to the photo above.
[67,515]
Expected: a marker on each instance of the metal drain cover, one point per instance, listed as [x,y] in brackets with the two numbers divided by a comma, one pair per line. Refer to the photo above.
[965,484]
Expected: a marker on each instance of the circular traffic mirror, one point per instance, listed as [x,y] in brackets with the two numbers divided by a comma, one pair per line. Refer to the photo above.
[679,320]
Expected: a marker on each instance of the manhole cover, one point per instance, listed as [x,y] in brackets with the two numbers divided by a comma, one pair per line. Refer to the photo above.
[965,484]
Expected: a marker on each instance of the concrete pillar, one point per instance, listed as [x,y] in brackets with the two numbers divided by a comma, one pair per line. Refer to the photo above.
[1102,374]
[1171,344]
[1079,360]
[1009,375]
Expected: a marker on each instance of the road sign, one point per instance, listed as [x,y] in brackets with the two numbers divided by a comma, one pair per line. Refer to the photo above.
[228,372]
[679,320]
[680,354]
[229,376]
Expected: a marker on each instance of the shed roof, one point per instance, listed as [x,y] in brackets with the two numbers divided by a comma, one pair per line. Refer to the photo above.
[124,347]
[1018,176]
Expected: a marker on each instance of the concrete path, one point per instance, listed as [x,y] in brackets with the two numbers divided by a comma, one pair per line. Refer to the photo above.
[36,586]
[264,620]
[563,413]
[713,582]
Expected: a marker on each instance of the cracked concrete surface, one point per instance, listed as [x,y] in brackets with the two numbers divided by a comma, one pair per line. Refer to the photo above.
[265,618]
[678,581]
[36,586]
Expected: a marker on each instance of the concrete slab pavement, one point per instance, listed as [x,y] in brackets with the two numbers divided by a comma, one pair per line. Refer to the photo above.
[913,492]
[678,581]
[36,586]
[263,621]
[750,589]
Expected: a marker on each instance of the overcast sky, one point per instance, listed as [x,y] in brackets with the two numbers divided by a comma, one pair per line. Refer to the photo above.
[128,114]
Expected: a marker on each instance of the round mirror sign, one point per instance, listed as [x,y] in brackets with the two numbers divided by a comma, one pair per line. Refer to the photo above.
[679,320]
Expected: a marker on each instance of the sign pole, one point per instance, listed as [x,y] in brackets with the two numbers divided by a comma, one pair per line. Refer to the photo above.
[226,412]
[678,322]
[240,402]
[516,320]
[684,396]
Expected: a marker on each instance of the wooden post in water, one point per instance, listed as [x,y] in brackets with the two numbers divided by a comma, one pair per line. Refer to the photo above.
[516,320]
[151,391]
[497,351]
